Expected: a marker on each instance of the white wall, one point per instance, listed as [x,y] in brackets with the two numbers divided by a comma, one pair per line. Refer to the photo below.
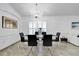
[8,36]
[24,25]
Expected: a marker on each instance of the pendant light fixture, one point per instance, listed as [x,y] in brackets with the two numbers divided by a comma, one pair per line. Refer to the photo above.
[36,10]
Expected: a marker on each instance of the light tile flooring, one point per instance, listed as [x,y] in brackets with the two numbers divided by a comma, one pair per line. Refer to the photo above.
[58,49]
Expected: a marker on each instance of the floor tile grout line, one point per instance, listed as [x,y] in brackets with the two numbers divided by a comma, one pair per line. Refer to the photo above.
[50,51]
[30,51]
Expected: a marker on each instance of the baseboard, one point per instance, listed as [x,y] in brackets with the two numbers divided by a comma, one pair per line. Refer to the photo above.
[73,44]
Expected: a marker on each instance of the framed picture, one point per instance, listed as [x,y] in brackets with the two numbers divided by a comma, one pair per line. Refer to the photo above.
[8,23]
[75,25]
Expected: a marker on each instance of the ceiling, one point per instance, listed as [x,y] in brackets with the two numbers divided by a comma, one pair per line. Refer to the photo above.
[46,9]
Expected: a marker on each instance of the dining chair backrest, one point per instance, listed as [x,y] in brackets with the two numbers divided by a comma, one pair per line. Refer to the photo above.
[22,37]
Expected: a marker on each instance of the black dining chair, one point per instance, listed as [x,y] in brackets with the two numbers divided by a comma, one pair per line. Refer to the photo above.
[36,33]
[57,37]
[22,37]
[47,40]
[32,40]
[43,33]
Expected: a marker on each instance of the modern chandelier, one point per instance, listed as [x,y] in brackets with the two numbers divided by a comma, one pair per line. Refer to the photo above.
[36,11]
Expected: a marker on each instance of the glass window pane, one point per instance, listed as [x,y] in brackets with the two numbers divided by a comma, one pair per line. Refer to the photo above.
[39,24]
[30,31]
[33,31]
[44,24]
[44,29]
[34,24]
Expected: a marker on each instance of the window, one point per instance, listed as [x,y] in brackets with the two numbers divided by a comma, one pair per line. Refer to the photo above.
[75,25]
[34,25]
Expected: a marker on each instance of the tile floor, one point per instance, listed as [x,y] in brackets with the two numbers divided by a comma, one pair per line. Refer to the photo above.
[58,49]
